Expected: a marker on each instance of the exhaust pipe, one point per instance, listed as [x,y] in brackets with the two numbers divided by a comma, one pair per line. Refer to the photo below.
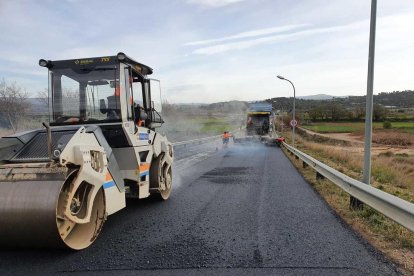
[49,140]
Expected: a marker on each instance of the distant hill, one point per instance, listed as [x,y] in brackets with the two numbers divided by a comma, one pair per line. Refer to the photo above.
[232,106]
[319,97]
[396,99]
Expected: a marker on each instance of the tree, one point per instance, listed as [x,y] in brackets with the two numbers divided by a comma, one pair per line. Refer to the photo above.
[318,113]
[43,97]
[13,103]
[313,114]
[337,111]
[359,112]
[349,115]
[379,113]
[324,112]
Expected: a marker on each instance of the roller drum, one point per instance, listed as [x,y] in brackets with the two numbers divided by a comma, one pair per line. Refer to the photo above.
[31,215]
[28,214]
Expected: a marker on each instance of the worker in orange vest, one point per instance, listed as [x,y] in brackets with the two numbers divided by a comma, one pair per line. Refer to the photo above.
[140,114]
[226,137]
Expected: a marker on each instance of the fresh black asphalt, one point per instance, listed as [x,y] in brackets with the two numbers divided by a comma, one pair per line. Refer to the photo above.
[244,210]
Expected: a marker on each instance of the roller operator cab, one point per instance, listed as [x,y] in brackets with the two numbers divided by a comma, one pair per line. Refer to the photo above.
[58,184]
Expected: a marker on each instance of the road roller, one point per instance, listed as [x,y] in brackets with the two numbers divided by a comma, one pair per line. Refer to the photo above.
[59,183]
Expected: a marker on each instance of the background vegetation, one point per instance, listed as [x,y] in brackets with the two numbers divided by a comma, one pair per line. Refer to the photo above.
[393,106]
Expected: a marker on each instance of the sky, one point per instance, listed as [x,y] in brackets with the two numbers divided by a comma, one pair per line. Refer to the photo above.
[207,51]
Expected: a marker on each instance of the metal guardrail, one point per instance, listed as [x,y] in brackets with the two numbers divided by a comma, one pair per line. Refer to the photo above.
[196,141]
[393,207]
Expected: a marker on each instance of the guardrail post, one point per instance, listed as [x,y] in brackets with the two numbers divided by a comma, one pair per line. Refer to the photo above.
[296,157]
[304,165]
[319,176]
[355,204]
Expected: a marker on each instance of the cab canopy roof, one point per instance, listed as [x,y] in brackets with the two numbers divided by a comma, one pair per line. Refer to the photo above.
[260,107]
[97,61]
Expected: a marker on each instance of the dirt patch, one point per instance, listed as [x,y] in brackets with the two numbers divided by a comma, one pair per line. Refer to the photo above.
[383,141]
[346,137]
[385,137]
[393,138]
[382,137]
[376,149]
[321,138]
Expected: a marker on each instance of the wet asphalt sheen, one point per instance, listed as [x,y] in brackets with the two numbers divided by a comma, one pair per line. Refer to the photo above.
[244,210]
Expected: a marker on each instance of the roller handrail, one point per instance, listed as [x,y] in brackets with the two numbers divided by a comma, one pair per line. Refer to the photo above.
[395,208]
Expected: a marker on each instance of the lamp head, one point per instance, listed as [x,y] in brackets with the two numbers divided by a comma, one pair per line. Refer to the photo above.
[280,77]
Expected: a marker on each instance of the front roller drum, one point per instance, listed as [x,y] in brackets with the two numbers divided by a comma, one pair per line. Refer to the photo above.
[31,216]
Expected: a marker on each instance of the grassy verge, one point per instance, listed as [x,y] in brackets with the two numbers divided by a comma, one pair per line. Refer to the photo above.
[392,173]
[215,125]
[331,128]
[192,127]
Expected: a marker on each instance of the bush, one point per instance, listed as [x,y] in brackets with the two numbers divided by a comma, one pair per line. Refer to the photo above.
[383,174]
[387,153]
[387,125]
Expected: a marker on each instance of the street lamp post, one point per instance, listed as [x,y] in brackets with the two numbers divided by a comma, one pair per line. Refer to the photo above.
[294,110]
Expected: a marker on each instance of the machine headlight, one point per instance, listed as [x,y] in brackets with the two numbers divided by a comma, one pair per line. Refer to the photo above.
[43,63]
[121,56]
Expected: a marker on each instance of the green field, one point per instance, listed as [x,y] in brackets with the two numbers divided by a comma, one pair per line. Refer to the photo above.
[214,125]
[349,127]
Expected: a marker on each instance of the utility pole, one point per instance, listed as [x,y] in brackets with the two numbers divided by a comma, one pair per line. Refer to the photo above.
[354,203]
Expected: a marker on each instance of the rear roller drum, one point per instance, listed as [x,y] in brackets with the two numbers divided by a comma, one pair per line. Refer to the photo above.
[166,192]
[161,178]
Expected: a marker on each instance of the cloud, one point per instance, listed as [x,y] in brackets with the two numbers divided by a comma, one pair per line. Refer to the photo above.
[213,3]
[239,45]
[254,33]
[228,54]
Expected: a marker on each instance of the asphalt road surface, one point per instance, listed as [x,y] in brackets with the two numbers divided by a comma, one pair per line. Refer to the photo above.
[244,210]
